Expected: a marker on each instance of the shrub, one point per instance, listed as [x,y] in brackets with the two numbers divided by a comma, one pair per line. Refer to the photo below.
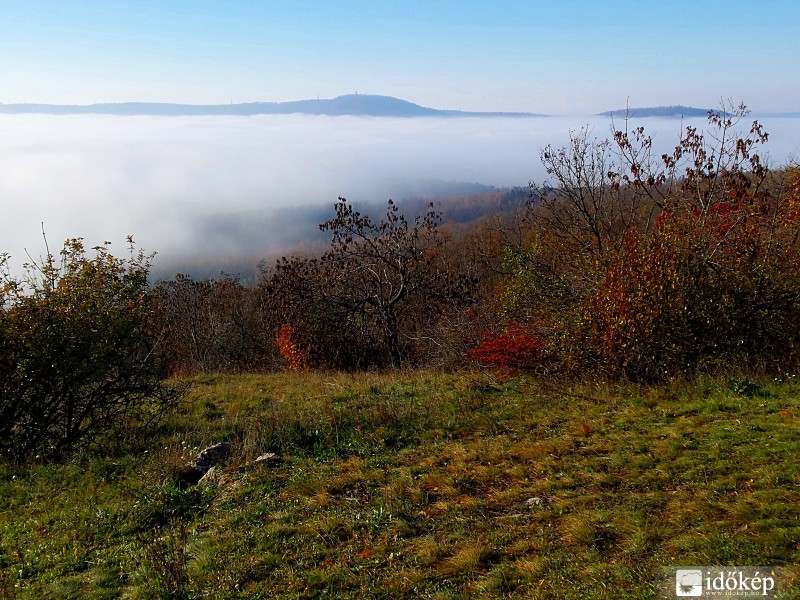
[637,315]
[78,351]
[704,289]
[650,267]
[519,347]
[296,357]
[316,331]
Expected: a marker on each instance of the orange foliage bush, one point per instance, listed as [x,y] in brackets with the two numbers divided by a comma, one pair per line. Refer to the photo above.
[719,286]
[635,313]
[296,357]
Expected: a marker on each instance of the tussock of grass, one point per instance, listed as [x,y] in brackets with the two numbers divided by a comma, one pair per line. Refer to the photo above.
[466,559]
[418,485]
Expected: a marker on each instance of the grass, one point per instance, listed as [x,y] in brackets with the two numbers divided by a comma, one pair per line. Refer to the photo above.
[418,485]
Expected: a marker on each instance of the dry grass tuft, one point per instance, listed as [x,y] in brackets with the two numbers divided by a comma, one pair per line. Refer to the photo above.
[467,559]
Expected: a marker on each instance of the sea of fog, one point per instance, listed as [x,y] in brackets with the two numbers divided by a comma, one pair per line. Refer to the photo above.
[177,183]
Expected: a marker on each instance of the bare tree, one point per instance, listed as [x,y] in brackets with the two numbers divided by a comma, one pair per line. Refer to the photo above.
[379,280]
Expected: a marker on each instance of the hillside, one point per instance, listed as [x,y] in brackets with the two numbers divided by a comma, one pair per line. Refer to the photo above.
[417,485]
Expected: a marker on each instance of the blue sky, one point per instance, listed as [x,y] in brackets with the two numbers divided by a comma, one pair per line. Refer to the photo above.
[557,57]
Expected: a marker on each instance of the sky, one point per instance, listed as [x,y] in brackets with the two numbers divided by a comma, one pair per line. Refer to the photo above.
[550,56]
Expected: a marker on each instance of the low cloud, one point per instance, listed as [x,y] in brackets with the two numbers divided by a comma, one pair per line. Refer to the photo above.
[202,188]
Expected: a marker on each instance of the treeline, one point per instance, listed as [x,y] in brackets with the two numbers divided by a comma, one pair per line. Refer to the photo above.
[625,264]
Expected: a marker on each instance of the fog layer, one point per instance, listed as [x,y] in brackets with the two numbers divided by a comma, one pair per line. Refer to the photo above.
[205,187]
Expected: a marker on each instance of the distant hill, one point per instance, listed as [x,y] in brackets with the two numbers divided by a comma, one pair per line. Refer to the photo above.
[351,104]
[657,111]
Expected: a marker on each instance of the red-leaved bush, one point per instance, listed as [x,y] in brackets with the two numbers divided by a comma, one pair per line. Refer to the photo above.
[635,313]
[518,347]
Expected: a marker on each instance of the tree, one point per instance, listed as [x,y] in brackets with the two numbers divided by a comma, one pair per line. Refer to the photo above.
[579,206]
[377,286]
[78,351]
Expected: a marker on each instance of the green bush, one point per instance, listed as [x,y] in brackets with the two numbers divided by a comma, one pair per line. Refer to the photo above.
[78,352]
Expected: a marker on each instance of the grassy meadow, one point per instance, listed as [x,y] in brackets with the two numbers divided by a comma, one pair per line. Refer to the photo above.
[417,484]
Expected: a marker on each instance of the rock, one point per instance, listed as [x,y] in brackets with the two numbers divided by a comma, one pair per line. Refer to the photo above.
[203,463]
[211,456]
[267,459]
[535,501]
[213,475]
